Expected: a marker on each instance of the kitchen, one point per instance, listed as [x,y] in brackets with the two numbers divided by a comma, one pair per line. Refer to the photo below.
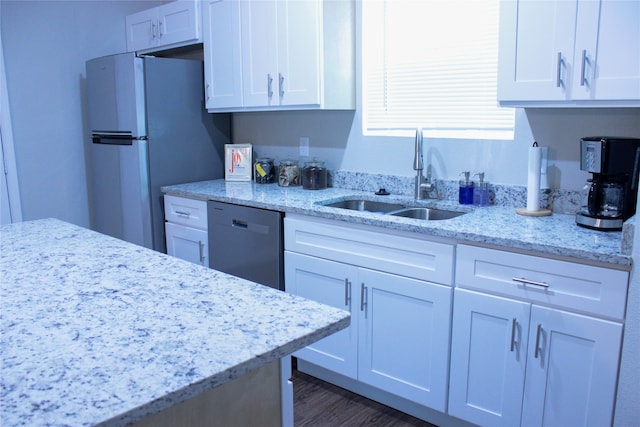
[51,156]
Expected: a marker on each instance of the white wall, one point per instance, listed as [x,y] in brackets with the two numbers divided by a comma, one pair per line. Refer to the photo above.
[45,45]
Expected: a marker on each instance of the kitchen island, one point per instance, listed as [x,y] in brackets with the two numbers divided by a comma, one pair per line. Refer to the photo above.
[97,331]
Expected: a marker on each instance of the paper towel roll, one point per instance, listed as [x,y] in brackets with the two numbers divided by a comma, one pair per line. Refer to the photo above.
[533,178]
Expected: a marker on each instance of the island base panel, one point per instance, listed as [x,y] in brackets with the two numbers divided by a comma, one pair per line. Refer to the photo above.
[253,399]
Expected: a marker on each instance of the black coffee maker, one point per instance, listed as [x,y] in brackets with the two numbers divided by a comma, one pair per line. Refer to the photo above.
[610,196]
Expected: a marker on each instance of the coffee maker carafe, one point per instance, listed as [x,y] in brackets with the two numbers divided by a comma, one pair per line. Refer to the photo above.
[611,194]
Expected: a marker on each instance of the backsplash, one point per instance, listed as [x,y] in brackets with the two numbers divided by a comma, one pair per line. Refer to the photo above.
[559,201]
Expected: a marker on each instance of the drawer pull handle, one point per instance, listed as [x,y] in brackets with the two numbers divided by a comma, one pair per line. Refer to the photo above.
[347,292]
[538,333]
[514,327]
[183,213]
[529,282]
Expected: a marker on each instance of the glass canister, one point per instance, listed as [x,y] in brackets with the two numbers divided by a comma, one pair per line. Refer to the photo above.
[264,171]
[314,175]
[289,173]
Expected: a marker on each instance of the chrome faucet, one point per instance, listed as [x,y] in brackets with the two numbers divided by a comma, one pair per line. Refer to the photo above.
[422,184]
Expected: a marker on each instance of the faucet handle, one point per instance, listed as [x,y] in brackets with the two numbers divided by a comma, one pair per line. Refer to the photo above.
[417,160]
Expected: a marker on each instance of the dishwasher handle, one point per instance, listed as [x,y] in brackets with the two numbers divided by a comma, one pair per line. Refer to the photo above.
[239,224]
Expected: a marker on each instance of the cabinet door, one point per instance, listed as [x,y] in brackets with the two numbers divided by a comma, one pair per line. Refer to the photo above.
[404,336]
[488,358]
[222,54]
[536,49]
[178,21]
[299,42]
[607,57]
[142,31]
[572,369]
[259,53]
[187,243]
[330,283]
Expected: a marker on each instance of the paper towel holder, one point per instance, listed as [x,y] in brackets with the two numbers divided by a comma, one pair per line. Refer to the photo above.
[533,184]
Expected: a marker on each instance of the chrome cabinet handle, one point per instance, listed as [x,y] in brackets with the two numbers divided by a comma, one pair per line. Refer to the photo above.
[347,292]
[538,333]
[183,213]
[514,327]
[363,296]
[583,77]
[201,251]
[207,91]
[269,86]
[559,70]
[529,282]
[160,29]
[153,31]
[281,84]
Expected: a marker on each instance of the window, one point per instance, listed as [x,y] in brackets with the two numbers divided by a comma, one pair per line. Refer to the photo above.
[432,64]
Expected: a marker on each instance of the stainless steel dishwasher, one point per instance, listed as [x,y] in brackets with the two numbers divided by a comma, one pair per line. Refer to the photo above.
[246,242]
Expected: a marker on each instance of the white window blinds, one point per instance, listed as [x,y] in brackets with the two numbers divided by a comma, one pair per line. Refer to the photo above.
[432,64]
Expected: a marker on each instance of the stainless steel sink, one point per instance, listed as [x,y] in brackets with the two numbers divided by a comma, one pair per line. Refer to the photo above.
[366,205]
[394,209]
[426,213]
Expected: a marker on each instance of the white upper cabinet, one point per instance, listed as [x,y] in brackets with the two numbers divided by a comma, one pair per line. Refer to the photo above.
[285,54]
[569,53]
[222,54]
[171,25]
[282,60]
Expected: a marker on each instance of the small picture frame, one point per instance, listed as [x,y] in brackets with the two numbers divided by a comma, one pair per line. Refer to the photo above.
[238,162]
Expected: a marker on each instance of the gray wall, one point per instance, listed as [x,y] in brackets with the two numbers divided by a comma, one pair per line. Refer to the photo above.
[336,137]
[45,45]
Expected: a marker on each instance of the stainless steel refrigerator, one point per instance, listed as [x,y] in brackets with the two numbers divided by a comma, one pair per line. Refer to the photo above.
[149,128]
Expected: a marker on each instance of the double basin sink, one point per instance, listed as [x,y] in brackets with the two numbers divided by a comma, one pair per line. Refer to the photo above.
[394,209]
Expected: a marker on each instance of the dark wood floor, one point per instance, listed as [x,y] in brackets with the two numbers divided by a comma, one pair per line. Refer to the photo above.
[317,403]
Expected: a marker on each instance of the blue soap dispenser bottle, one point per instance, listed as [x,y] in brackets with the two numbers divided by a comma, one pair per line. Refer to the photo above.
[465,192]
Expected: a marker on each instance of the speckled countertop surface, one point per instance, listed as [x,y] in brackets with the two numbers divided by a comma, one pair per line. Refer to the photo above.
[99,331]
[555,235]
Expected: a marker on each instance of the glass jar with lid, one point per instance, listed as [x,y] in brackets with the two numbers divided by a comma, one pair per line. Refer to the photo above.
[289,173]
[314,175]
[264,171]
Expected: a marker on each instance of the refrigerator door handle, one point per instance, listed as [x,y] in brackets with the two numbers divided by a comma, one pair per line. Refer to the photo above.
[115,139]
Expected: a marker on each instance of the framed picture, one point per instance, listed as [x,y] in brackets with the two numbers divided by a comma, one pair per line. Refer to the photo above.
[238,162]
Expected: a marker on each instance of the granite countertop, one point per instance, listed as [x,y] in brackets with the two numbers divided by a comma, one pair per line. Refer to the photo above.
[100,331]
[555,235]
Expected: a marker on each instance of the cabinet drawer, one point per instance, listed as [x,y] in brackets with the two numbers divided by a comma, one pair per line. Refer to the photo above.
[578,287]
[185,211]
[371,247]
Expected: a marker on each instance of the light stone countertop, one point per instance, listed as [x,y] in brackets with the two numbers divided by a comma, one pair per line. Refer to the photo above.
[97,331]
[555,235]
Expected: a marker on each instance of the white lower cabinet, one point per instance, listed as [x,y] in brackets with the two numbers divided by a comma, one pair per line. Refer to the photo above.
[186,230]
[521,358]
[487,370]
[187,243]
[398,339]
[327,282]
[404,337]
